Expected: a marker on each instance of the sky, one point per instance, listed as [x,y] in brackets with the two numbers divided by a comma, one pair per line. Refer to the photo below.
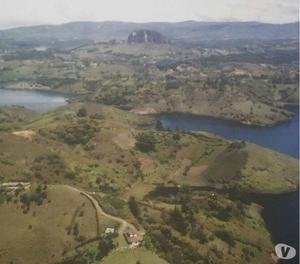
[33,12]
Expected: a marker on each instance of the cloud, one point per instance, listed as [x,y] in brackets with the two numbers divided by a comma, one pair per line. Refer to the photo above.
[29,12]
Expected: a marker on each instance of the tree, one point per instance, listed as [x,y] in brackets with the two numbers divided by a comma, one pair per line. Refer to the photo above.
[178,221]
[82,112]
[76,230]
[176,136]
[226,237]
[159,125]
[145,142]
[134,208]
[106,244]
[199,233]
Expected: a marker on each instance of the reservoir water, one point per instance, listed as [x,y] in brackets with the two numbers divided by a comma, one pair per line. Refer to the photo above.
[281,212]
[40,101]
[283,137]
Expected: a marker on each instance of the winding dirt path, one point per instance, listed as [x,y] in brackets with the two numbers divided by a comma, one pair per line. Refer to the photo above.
[99,211]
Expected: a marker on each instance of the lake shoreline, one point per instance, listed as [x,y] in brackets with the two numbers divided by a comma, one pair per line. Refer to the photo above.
[282,137]
[45,91]
[234,121]
[151,113]
[277,210]
[38,101]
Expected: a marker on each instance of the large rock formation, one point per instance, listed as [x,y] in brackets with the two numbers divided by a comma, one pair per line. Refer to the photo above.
[146,36]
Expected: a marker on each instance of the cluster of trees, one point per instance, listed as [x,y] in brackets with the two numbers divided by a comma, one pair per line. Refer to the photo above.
[175,251]
[56,83]
[268,56]
[285,78]
[28,54]
[82,112]
[145,142]
[165,64]
[107,186]
[91,256]
[113,98]
[183,219]
[106,244]
[227,211]
[134,208]
[179,221]
[226,237]
[51,159]
[237,145]
[78,133]
[201,234]
[47,164]
[159,126]
[172,82]
[37,196]
[92,85]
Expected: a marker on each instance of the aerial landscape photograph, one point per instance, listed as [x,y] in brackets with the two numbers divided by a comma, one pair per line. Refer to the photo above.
[149,132]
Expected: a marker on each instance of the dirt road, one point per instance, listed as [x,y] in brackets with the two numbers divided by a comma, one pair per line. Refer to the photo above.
[123,223]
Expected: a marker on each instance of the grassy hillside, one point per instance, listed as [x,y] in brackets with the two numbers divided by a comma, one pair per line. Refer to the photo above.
[161,181]
[13,117]
[254,169]
[107,149]
[205,226]
[44,233]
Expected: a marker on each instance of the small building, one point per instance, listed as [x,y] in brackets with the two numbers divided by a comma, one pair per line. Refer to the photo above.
[109,230]
[15,185]
[132,237]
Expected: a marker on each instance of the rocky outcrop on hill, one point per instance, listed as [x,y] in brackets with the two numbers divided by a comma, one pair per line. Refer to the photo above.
[146,36]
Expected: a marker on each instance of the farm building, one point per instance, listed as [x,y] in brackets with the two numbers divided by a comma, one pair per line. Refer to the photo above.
[132,238]
[109,230]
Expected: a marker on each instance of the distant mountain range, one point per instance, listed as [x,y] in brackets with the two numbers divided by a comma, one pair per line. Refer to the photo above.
[146,36]
[189,31]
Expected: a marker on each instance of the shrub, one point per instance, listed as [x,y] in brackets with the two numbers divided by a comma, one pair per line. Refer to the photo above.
[159,125]
[145,142]
[226,237]
[134,208]
[106,244]
[82,112]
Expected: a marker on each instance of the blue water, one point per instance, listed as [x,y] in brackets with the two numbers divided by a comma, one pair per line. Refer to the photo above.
[281,215]
[283,137]
[40,101]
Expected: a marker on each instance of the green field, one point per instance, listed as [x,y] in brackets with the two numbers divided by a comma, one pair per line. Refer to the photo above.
[45,233]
